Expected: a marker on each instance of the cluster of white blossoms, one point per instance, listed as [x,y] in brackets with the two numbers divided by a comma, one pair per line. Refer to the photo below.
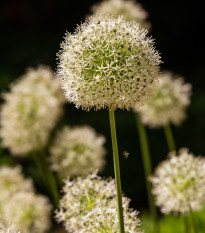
[90,205]
[11,182]
[77,151]
[5,229]
[108,63]
[179,183]
[29,212]
[26,118]
[129,9]
[105,220]
[19,205]
[169,102]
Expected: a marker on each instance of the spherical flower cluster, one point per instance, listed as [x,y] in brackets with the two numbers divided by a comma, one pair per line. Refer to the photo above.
[179,183]
[26,118]
[77,151]
[29,212]
[89,205]
[108,63]
[168,104]
[11,182]
[129,9]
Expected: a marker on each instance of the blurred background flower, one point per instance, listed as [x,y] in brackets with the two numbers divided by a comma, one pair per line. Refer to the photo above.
[77,151]
[129,9]
[179,183]
[26,119]
[169,102]
[19,204]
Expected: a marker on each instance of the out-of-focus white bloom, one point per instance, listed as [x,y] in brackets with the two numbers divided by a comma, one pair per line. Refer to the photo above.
[108,62]
[30,213]
[77,151]
[10,229]
[31,109]
[129,9]
[179,183]
[169,102]
[87,202]
[11,182]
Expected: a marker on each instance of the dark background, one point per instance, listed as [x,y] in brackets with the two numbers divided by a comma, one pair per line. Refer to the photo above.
[31,32]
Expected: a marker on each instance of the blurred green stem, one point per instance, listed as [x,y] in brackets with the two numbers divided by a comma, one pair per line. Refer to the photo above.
[186,227]
[51,179]
[47,175]
[40,168]
[147,168]
[117,169]
[193,220]
[169,137]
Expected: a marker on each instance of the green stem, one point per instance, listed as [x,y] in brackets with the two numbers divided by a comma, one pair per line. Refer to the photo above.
[40,169]
[169,137]
[117,169]
[51,180]
[186,227]
[193,220]
[147,168]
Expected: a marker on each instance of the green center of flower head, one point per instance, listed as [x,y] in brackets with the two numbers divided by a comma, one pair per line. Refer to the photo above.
[164,99]
[28,113]
[181,184]
[79,148]
[106,59]
[28,217]
[90,203]
[104,229]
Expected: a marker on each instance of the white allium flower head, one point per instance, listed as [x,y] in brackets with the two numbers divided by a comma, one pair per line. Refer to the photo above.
[179,183]
[129,9]
[77,151]
[11,182]
[87,201]
[108,62]
[169,102]
[29,212]
[26,118]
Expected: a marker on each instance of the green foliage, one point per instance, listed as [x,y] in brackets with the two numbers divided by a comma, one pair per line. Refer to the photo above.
[173,224]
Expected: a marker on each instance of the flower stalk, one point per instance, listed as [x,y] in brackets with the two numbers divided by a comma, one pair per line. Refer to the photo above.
[169,137]
[186,227]
[193,220]
[47,176]
[117,169]
[147,168]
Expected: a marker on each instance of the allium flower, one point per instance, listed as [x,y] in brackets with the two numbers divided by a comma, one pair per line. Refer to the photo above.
[87,202]
[179,183]
[77,151]
[108,63]
[30,213]
[169,102]
[26,118]
[129,9]
[11,182]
